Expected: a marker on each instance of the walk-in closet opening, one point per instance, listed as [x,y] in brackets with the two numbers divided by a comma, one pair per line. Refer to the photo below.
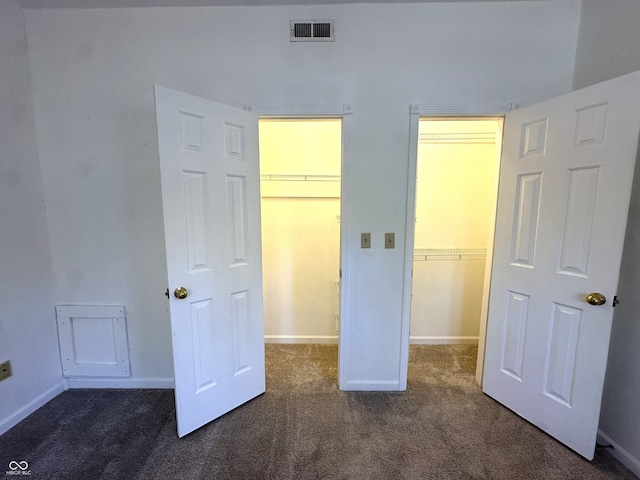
[456,190]
[300,167]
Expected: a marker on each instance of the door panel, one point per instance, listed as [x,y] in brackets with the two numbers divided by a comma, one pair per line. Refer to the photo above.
[210,191]
[526,219]
[564,192]
[515,327]
[578,223]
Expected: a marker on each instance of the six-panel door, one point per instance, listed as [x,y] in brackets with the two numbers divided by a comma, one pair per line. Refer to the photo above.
[564,191]
[211,197]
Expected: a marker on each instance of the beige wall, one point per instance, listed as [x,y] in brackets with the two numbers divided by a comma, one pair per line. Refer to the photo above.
[455,184]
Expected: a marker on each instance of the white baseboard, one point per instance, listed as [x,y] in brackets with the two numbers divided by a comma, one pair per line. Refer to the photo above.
[333,339]
[330,339]
[620,453]
[22,413]
[371,386]
[425,340]
[163,383]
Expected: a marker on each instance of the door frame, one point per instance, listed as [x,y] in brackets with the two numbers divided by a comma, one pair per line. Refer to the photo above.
[416,112]
[345,113]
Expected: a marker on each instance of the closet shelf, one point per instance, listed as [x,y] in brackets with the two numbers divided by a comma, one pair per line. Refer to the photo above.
[299,178]
[476,138]
[425,254]
[300,186]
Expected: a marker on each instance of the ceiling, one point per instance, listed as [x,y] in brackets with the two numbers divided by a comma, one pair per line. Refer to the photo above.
[200,3]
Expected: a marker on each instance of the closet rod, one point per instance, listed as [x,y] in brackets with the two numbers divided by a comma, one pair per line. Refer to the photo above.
[299,178]
[449,254]
[455,138]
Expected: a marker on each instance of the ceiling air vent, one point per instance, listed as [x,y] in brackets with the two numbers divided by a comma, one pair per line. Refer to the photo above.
[311,31]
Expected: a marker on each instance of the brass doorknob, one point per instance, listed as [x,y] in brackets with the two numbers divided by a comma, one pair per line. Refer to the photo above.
[180,293]
[596,299]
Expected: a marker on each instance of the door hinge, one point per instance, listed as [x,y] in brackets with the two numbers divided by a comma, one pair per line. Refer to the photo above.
[615,301]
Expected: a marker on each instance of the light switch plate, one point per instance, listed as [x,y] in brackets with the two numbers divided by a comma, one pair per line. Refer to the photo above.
[365,240]
[389,240]
[5,370]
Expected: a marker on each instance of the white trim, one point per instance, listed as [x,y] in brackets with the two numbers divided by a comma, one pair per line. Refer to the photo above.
[415,112]
[628,460]
[23,412]
[409,245]
[328,339]
[150,382]
[373,386]
[301,110]
[462,110]
[346,113]
[451,340]
[488,265]
[345,250]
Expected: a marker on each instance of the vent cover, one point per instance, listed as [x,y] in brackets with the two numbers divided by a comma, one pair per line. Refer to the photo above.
[311,31]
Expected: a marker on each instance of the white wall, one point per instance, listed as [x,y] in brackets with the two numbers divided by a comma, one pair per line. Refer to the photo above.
[608,41]
[609,46]
[93,71]
[28,334]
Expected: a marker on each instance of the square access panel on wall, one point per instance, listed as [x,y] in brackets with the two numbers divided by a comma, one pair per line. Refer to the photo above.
[93,340]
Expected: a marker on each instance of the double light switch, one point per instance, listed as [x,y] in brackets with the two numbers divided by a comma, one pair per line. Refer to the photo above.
[389,240]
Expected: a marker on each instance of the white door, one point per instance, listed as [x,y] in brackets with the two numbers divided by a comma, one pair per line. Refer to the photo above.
[565,183]
[211,198]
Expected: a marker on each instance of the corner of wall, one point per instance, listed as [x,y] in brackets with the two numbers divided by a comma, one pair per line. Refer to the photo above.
[607,41]
[607,47]
[28,336]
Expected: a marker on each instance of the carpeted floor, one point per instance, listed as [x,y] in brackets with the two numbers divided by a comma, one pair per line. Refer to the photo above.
[302,428]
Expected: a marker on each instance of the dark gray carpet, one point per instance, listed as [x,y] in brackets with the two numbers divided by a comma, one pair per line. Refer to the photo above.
[443,427]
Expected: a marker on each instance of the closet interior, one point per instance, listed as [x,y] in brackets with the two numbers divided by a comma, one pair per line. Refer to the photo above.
[456,192]
[300,166]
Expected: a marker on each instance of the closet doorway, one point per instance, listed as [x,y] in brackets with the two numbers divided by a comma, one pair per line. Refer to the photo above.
[456,191]
[300,167]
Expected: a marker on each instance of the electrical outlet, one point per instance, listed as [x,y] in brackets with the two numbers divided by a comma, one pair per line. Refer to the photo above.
[365,240]
[5,370]
[389,240]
